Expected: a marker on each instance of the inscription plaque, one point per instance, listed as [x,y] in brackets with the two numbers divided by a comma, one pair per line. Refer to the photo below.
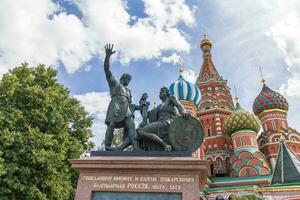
[135,196]
[151,178]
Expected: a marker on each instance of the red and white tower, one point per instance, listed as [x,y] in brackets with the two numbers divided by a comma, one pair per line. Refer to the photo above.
[271,108]
[215,106]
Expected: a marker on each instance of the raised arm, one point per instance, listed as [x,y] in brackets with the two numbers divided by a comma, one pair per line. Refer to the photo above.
[109,77]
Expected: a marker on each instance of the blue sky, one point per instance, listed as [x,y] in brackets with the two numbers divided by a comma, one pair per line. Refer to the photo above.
[149,36]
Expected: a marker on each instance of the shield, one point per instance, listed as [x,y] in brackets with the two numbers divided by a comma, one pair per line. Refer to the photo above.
[186,134]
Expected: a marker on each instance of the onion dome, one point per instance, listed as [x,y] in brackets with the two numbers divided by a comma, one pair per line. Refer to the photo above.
[205,42]
[185,90]
[241,120]
[269,99]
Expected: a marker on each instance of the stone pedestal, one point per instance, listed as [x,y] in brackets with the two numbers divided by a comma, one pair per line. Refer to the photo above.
[170,177]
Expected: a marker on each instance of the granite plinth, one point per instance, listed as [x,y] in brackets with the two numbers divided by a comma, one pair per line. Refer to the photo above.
[101,175]
[143,153]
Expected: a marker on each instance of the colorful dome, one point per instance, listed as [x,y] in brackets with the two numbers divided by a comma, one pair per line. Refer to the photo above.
[185,90]
[269,99]
[205,42]
[241,120]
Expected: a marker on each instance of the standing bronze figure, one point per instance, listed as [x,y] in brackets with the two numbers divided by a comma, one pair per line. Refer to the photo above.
[120,113]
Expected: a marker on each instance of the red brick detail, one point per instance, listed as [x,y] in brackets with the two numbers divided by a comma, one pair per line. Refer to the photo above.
[254,162]
[245,154]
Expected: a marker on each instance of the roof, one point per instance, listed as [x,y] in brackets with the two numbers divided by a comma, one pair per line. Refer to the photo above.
[287,167]
[208,71]
[184,90]
[222,180]
[269,99]
[241,119]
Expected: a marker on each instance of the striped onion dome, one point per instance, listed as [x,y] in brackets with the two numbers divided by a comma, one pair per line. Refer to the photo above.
[185,90]
[269,99]
[241,119]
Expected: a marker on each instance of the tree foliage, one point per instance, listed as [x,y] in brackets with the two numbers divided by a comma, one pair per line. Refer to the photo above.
[245,197]
[41,127]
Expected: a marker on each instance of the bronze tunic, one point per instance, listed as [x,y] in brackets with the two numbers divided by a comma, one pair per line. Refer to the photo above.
[119,106]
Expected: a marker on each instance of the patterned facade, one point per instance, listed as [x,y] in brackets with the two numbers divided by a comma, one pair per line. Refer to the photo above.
[272,108]
[236,155]
[215,106]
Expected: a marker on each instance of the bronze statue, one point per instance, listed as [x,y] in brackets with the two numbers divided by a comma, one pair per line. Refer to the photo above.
[161,118]
[120,113]
[154,136]
[161,128]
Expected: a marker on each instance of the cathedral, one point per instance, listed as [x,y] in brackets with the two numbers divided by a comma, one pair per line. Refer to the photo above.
[242,159]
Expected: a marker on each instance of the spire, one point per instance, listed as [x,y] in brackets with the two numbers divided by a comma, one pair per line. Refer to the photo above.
[208,69]
[262,76]
[236,96]
[180,61]
[237,104]
[287,167]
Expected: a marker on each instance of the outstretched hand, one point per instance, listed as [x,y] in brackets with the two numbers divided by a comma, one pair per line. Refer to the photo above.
[186,115]
[109,49]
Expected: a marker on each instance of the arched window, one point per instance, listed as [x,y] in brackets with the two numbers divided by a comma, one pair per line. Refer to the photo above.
[208,130]
[219,165]
[274,125]
[242,141]
[211,167]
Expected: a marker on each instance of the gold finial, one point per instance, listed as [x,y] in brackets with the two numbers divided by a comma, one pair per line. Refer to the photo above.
[236,96]
[237,99]
[180,61]
[205,42]
[180,70]
[262,76]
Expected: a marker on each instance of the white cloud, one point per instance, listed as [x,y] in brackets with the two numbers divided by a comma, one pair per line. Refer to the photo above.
[146,38]
[29,34]
[190,75]
[167,13]
[96,104]
[174,58]
[286,34]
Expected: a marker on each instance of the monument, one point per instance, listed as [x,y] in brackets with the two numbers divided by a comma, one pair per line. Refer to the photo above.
[160,165]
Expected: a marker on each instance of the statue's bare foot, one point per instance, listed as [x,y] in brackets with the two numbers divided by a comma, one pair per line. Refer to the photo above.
[167,147]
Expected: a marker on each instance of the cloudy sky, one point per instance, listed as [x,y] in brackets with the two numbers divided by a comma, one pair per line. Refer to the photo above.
[149,36]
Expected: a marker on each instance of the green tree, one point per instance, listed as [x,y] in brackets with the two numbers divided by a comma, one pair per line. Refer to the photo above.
[41,127]
[1,165]
[245,197]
